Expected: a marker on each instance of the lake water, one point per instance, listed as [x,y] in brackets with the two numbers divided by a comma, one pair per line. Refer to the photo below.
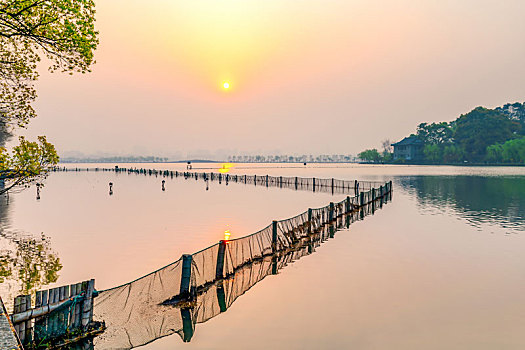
[441,266]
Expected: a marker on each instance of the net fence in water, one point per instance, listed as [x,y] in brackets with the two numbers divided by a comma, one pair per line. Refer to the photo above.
[125,308]
[335,186]
[199,286]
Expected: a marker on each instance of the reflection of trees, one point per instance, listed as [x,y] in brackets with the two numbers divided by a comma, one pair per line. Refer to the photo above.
[36,264]
[5,269]
[32,262]
[481,199]
[26,260]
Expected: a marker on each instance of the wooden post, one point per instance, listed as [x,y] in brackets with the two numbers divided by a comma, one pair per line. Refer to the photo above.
[53,319]
[274,237]
[310,223]
[356,187]
[38,303]
[16,309]
[187,325]
[186,276]
[28,322]
[23,328]
[373,200]
[362,199]
[314,184]
[274,265]
[331,212]
[63,313]
[75,322]
[87,309]
[296,182]
[219,273]
[221,296]
[72,293]
[20,306]
[44,322]
[281,181]
[266,180]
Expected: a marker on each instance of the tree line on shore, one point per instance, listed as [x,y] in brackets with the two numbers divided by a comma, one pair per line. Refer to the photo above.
[306,158]
[495,136]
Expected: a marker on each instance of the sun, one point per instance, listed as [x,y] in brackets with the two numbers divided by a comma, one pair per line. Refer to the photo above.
[226,85]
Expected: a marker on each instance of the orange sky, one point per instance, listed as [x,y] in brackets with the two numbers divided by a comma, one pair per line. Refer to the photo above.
[306,76]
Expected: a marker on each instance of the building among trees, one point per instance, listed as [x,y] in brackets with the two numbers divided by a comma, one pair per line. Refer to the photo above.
[410,148]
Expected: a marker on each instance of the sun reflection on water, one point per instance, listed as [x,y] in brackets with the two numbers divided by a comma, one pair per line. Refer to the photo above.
[225,168]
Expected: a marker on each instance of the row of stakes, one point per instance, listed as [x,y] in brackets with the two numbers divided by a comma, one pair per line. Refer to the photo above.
[111,188]
[151,172]
[163,183]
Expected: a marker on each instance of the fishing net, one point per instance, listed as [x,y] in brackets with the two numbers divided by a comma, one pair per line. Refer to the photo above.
[246,249]
[158,304]
[132,312]
[334,186]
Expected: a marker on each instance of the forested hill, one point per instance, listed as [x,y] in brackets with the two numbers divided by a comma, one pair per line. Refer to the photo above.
[482,135]
[494,136]
[514,111]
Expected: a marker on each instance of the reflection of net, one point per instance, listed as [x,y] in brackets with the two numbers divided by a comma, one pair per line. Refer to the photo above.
[132,312]
[153,306]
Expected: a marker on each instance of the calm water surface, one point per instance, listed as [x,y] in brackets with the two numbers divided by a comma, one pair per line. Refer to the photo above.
[441,266]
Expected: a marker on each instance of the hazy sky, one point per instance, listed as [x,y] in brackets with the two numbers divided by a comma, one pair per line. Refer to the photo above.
[306,76]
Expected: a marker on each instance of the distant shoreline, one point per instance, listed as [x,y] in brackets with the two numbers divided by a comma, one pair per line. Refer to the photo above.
[219,161]
[101,161]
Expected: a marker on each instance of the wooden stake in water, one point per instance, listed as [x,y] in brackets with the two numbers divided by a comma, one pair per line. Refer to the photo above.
[187,325]
[274,236]
[220,259]
[310,223]
[186,276]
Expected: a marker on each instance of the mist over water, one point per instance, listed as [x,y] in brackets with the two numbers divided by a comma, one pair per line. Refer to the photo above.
[439,267]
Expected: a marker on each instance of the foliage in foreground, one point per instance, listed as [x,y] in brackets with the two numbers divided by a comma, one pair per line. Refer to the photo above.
[62,32]
[28,162]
